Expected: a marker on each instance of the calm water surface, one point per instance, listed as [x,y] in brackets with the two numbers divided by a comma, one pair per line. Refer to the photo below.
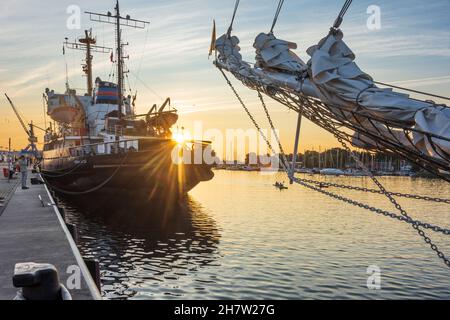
[237,237]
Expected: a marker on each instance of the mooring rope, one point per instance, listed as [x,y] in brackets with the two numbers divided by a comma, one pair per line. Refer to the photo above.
[92,189]
[62,174]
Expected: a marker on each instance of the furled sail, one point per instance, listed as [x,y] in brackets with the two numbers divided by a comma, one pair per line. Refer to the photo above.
[340,82]
[277,54]
[332,76]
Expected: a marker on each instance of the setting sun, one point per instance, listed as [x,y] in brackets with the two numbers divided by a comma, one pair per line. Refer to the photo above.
[179,137]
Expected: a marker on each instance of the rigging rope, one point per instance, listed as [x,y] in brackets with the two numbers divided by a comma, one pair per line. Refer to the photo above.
[277,14]
[411,90]
[341,15]
[142,56]
[417,225]
[230,29]
[146,86]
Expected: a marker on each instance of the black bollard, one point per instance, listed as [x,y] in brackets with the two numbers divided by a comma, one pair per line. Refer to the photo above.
[37,281]
[94,269]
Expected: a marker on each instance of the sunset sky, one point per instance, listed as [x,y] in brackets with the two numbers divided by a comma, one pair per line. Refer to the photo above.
[412,49]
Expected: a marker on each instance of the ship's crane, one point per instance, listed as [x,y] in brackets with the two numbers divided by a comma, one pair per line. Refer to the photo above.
[32,139]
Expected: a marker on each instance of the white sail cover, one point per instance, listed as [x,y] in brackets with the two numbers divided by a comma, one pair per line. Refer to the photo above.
[275,53]
[229,51]
[337,80]
[341,82]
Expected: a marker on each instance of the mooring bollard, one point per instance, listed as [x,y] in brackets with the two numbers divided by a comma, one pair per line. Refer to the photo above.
[38,282]
[94,269]
[73,232]
[36,181]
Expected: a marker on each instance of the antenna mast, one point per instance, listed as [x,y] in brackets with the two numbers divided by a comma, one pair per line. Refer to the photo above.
[118,21]
[87,44]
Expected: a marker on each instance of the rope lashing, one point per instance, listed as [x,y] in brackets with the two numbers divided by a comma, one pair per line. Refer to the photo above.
[341,15]
[277,14]
[358,97]
[236,6]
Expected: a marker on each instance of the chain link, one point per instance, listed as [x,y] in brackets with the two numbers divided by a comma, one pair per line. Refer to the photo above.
[417,225]
[255,123]
[373,191]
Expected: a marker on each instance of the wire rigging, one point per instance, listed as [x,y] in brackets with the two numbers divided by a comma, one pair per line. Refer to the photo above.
[341,15]
[142,56]
[411,90]
[230,29]
[277,14]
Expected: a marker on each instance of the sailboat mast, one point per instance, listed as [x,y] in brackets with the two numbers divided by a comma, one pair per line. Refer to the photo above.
[119,62]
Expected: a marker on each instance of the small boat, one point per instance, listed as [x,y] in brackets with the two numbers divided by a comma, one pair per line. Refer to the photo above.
[280,186]
[332,172]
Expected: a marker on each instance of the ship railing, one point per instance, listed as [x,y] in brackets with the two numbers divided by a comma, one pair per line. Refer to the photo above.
[105,148]
[125,146]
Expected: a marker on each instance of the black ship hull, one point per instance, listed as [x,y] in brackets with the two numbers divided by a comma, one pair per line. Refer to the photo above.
[150,173]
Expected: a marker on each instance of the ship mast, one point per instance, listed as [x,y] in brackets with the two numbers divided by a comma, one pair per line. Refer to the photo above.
[119,61]
[118,21]
[87,44]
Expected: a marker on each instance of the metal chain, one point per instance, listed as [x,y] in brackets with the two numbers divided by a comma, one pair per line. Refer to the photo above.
[272,126]
[269,145]
[382,189]
[385,213]
[417,225]
[373,191]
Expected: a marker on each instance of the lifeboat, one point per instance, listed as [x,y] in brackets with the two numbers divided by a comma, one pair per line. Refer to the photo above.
[64,108]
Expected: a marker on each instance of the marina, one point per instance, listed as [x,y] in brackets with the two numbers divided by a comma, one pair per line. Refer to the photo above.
[152,168]
[229,243]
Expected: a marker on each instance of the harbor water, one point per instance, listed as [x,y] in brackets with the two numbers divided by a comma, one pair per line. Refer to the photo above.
[238,237]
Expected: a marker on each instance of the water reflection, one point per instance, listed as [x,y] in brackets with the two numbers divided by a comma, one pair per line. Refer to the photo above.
[296,244]
[145,249]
